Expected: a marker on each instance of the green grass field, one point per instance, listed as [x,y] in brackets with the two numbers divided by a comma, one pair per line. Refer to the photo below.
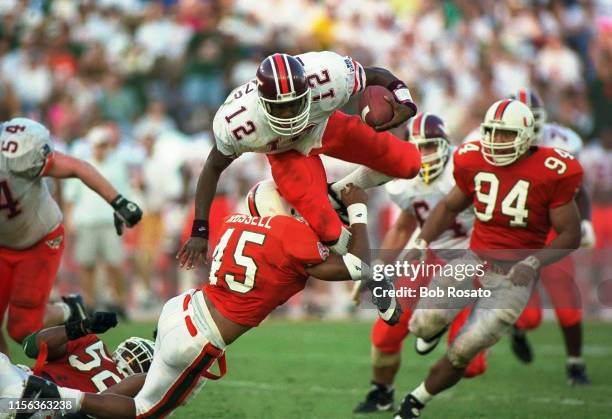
[319,369]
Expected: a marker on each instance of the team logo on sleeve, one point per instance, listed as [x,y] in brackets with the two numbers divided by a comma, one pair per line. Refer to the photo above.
[323,250]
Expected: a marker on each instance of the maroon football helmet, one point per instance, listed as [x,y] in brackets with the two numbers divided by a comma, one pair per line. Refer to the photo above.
[532,99]
[284,93]
[428,132]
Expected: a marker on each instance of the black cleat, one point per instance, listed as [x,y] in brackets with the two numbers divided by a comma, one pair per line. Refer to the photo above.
[576,374]
[77,307]
[378,399]
[520,345]
[423,347]
[409,409]
[37,388]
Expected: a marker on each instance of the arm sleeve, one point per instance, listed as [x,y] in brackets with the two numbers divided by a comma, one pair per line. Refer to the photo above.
[301,244]
[357,72]
[566,187]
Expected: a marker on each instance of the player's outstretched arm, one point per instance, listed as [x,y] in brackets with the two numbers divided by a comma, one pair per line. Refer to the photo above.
[403,106]
[128,387]
[126,212]
[57,337]
[443,215]
[195,248]
[351,265]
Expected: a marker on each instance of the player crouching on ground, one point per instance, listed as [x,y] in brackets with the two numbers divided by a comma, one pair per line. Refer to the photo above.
[518,193]
[73,356]
[258,264]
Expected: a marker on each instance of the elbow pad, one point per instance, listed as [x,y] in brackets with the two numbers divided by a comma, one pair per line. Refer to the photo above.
[30,347]
[356,267]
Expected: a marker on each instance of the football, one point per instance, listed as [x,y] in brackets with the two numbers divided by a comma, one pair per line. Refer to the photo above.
[374,108]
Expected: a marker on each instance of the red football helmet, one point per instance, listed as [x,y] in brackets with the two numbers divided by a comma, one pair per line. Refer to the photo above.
[284,93]
[532,99]
[426,130]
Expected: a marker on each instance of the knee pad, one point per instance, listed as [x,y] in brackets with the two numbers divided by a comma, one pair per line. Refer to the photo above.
[529,319]
[427,323]
[568,316]
[384,359]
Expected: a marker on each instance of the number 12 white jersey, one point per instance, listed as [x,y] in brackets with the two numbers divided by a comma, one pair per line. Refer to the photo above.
[240,125]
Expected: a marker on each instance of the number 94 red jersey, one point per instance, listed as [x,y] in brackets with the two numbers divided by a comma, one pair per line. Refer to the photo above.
[258,264]
[511,203]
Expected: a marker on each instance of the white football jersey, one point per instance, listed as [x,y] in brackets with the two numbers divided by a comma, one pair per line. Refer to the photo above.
[419,198]
[240,126]
[27,210]
[558,136]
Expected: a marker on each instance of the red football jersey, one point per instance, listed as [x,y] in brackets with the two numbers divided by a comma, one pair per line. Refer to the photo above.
[259,264]
[86,366]
[511,203]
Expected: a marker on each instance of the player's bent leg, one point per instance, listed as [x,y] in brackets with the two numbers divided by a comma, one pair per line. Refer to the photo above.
[386,349]
[348,138]
[301,180]
[478,365]
[33,278]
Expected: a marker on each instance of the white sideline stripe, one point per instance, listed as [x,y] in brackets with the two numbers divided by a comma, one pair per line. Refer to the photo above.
[450,395]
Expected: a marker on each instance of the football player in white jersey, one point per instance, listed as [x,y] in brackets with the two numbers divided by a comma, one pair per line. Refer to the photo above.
[31,230]
[557,278]
[415,197]
[290,112]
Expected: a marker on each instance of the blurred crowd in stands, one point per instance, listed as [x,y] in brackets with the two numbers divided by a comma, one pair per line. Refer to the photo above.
[132,86]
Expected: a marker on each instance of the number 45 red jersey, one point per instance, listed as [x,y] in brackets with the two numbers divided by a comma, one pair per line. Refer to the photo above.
[511,203]
[259,264]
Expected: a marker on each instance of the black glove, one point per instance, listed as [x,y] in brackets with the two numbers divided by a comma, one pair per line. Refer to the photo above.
[337,204]
[126,213]
[99,322]
[388,308]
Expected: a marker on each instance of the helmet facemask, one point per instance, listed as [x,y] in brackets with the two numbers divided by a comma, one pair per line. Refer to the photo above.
[134,356]
[298,107]
[432,164]
[502,153]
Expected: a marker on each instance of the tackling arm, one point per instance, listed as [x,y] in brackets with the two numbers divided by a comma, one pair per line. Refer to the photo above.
[55,338]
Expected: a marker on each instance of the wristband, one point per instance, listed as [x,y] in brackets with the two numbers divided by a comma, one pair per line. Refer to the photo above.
[357,213]
[401,94]
[116,203]
[75,329]
[420,244]
[532,262]
[199,228]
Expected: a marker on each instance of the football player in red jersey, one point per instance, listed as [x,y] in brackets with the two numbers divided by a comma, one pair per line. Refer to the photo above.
[290,112]
[73,356]
[518,193]
[258,264]
[558,277]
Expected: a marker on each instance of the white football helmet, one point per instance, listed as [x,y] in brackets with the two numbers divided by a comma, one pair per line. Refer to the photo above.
[532,99]
[264,200]
[134,355]
[506,115]
[26,145]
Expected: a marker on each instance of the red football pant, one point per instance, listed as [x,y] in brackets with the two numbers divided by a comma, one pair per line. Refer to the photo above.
[27,279]
[302,181]
[558,279]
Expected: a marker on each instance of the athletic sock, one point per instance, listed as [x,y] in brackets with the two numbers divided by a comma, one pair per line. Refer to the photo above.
[421,394]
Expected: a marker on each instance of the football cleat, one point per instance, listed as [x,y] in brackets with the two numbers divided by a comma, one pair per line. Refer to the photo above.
[37,388]
[410,408]
[576,374]
[77,307]
[423,347]
[378,399]
[520,345]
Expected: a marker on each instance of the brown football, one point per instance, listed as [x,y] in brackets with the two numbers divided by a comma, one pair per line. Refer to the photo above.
[373,107]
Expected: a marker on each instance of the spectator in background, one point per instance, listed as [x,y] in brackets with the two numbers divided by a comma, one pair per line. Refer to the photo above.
[97,243]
